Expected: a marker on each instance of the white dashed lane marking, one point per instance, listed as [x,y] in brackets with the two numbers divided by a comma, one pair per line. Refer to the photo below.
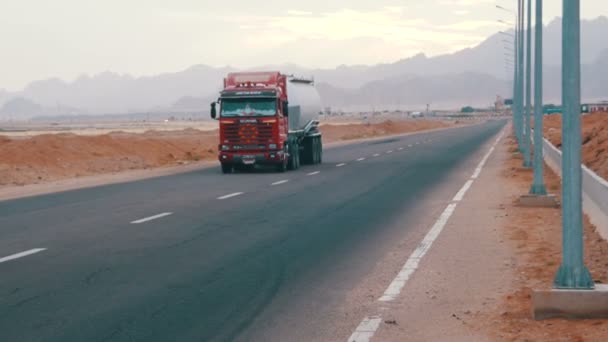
[280,182]
[150,218]
[21,254]
[230,195]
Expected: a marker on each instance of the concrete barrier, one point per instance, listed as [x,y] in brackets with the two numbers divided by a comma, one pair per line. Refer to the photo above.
[595,189]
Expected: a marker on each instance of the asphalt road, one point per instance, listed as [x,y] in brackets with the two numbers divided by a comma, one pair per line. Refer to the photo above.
[210,256]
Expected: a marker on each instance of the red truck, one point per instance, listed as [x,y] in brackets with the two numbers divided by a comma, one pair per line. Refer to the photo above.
[267,118]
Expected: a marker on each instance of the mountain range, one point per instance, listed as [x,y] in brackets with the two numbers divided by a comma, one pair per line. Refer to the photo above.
[473,76]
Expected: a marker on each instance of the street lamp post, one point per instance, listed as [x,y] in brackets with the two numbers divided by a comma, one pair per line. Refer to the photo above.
[572,274]
[517,108]
[520,72]
[527,128]
[538,186]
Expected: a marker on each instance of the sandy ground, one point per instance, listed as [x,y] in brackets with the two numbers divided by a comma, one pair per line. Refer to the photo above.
[534,237]
[595,139]
[475,283]
[52,157]
[28,129]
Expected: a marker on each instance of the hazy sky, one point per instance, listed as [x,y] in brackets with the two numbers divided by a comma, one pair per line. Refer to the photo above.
[66,38]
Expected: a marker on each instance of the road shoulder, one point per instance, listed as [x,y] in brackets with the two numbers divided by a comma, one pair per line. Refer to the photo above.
[465,272]
[475,283]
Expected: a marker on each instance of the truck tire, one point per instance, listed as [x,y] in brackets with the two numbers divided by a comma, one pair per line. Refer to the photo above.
[282,167]
[294,156]
[320,150]
[314,151]
[317,151]
[226,168]
[308,151]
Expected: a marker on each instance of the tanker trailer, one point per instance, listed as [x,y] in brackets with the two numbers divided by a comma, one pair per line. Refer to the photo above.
[267,118]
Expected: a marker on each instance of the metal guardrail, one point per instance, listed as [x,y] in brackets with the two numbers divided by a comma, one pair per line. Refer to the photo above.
[595,189]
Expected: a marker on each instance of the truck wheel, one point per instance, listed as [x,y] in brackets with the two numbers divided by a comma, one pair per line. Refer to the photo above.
[226,168]
[308,151]
[297,158]
[282,167]
[320,149]
[315,151]
[293,156]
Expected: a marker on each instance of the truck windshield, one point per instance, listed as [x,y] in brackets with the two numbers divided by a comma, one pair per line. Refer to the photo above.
[249,107]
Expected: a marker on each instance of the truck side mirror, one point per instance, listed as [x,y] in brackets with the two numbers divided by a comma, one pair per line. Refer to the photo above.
[285,108]
[213,110]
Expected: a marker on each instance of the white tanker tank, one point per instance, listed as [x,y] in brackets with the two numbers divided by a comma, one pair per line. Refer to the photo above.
[304,103]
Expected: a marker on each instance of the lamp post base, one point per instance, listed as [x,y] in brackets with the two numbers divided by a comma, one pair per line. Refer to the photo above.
[538,189]
[573,278]
[571,304]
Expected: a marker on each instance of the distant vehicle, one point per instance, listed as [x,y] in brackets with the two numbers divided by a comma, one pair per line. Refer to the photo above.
[267,118]
[416,114]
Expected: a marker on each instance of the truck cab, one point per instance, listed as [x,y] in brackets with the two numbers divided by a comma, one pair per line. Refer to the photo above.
[255,123]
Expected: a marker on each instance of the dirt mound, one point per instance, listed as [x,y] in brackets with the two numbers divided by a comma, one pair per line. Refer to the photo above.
[50,157]
[57,156]
[594,132]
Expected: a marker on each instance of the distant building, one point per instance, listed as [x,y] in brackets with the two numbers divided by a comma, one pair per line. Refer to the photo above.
[595,107]
[499,104]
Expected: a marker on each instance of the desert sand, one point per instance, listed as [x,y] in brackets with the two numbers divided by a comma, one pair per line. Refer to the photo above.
[50,157]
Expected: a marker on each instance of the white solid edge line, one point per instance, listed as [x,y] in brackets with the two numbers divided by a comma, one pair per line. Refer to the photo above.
[280,182]
[21,254]
[482,163]
[314,173]
[230,195]
[366,329]
[341,164]
[460,195]
[394,289]
[361,159]
[150,218]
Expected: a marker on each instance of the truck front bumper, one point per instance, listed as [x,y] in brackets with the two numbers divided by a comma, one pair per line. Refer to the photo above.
[250,158]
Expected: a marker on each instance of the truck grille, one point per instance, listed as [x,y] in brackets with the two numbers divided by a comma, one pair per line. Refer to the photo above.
[249,134]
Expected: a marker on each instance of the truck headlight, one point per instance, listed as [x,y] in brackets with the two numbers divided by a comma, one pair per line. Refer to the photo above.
[272,146]
[225,147]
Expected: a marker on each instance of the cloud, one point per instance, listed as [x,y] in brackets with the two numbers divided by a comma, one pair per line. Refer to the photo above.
[471,25]
[387,24]
[298,12]
[465,2]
